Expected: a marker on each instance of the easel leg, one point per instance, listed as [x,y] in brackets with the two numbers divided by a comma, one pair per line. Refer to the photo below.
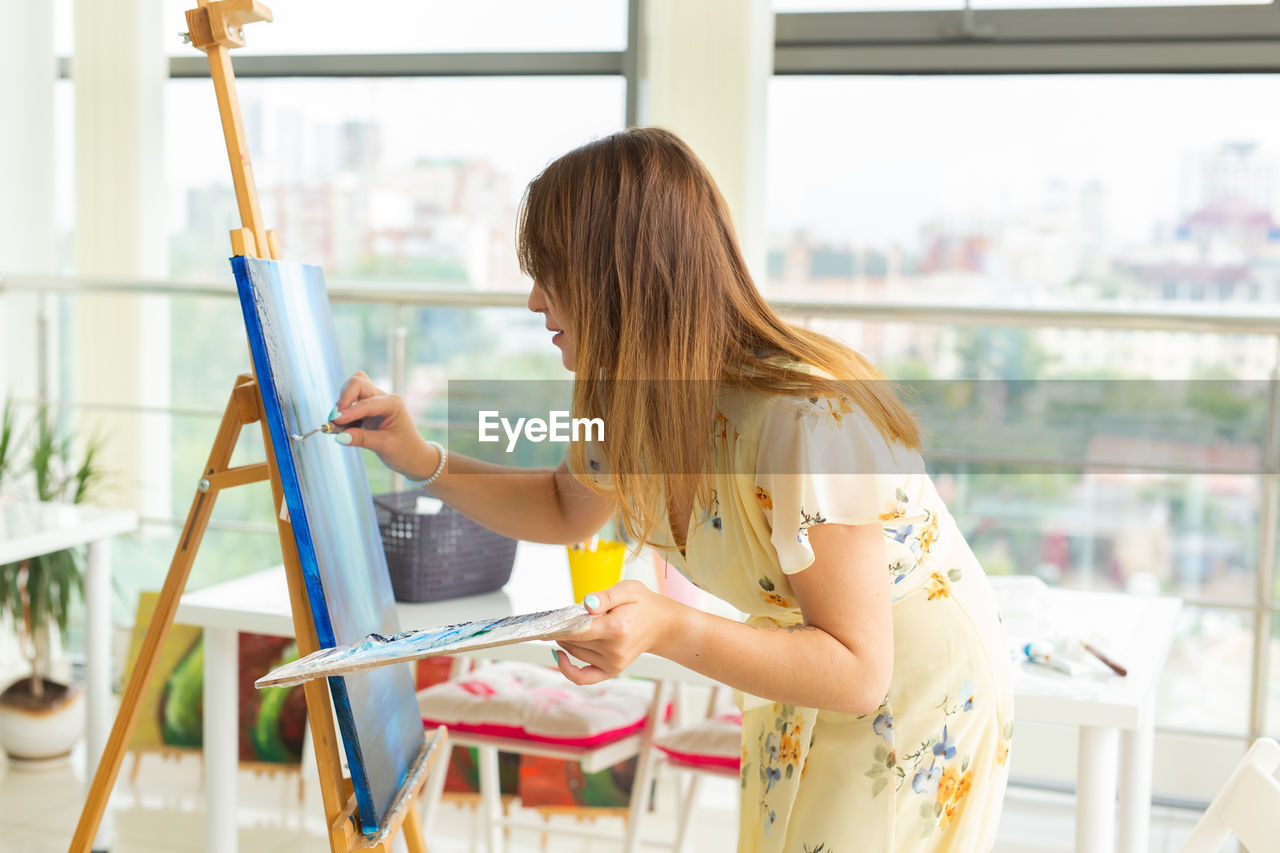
[412,829]
[242,408]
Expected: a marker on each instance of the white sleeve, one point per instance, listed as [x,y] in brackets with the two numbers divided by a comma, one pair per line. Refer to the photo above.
[821,461]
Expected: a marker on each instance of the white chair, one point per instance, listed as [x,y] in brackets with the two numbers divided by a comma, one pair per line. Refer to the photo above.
[710,747]
[509,708]
[1247,806]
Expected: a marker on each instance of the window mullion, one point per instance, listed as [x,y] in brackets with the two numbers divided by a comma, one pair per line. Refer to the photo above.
[412,65]
[1169,23]
[1027,58]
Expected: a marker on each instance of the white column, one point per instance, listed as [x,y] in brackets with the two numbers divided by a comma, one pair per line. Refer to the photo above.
[122,343]
[221,738]
[704,74]
[27,240]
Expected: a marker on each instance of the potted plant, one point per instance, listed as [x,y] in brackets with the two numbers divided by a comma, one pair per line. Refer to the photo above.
[41,719]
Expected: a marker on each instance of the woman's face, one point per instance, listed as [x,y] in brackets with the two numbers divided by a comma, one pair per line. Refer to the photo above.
[540,303]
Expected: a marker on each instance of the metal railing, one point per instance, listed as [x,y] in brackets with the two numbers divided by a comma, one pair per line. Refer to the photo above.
[402,297]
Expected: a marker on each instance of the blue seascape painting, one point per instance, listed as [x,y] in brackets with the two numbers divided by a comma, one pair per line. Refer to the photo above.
[295,358]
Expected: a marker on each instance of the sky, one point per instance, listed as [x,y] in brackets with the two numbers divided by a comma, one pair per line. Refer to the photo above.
[880,154]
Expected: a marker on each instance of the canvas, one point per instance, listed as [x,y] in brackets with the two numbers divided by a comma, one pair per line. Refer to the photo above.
[327,495]
[172,710]
[272,723]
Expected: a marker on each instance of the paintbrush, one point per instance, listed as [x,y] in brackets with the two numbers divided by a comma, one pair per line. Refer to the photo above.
[1115,667]
[329,427]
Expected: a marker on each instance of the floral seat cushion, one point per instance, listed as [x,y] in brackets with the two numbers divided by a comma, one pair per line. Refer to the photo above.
[714,742]
[527,702]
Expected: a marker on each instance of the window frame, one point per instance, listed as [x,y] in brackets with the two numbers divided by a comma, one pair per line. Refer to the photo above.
[1124,40]
[1156,39]
[1130,40]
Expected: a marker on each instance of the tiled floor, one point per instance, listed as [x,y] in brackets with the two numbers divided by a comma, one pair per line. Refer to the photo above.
[162,812]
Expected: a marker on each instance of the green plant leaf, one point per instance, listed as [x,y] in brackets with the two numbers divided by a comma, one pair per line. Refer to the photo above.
[88,474]
[8,432]
[10,593]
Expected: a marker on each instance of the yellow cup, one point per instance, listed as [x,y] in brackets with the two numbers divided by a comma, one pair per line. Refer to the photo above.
[592,571]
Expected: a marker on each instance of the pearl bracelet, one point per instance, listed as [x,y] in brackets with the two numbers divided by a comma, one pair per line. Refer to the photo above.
[444,454]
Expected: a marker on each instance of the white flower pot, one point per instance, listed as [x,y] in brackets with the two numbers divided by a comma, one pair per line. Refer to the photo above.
[42,735]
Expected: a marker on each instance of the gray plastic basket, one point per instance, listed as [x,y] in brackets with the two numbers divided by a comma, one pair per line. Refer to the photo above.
[443,555]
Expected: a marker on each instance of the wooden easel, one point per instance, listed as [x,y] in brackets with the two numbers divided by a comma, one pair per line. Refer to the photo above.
[215,27]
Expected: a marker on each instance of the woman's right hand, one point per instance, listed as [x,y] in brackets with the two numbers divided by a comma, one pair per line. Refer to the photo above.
[396,440]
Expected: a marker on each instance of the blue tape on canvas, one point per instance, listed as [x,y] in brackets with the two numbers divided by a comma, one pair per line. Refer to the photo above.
[295,359]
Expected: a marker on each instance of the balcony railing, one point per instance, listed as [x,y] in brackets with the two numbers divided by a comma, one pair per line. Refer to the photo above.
[401,297]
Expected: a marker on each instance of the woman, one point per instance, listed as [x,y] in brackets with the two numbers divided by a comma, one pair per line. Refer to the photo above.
[775,470]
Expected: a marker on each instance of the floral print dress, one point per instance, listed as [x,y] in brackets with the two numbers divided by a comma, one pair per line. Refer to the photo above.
[927,770]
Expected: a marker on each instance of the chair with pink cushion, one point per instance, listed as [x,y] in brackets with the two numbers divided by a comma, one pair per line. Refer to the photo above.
[711,746]
[531,710]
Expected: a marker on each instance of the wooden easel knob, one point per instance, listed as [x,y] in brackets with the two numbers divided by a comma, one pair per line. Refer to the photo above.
[221,22]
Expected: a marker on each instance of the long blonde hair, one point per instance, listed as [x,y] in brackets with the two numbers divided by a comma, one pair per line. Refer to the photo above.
[633,243]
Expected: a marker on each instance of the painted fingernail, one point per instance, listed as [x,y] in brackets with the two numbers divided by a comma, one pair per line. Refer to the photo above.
[591,601]
[333,413]
[556,654]
[342,438]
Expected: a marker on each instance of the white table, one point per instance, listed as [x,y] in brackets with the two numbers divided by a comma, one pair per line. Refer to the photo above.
[1115,715]
[29,529]
[259,603]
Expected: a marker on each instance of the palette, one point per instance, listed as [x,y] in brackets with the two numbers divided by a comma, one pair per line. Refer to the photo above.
[377,650]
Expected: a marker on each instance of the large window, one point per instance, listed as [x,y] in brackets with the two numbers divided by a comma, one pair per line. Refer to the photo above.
[379,178]
[1069,158]
[391,142]
[1026,190]
[1024,154]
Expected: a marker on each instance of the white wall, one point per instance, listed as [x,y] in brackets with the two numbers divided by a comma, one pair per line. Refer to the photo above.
[27,242]
[704,74]
[120,352]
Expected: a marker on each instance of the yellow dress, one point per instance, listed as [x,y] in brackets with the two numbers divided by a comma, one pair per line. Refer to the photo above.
[927,770]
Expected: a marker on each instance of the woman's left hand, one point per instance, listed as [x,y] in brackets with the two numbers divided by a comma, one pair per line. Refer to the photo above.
[630,620]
